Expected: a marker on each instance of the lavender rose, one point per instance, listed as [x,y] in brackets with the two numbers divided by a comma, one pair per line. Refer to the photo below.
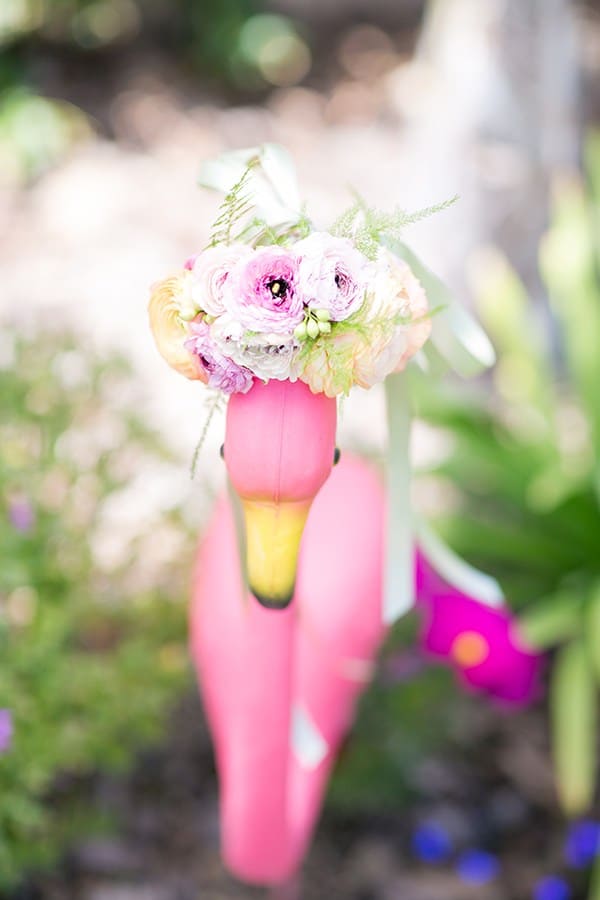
[332,274]
[261,292]
[223,373]
[210,273]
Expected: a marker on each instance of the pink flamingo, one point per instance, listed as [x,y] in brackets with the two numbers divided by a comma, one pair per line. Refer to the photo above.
[280,685]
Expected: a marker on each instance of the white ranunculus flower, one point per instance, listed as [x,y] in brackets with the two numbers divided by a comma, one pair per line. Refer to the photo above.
[392,326]
[398,292]
[332,274]
[266,355]
[210,273]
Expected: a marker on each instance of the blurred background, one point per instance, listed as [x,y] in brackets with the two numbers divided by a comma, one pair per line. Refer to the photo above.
[107,107]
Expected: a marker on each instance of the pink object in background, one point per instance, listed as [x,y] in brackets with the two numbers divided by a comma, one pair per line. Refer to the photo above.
[482,643]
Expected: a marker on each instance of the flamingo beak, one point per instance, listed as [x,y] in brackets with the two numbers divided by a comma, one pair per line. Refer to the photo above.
[273,535]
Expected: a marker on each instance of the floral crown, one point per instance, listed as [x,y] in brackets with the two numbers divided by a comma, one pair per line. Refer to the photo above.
[272,298]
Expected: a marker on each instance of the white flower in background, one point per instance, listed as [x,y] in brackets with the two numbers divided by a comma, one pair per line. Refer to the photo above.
[267,355]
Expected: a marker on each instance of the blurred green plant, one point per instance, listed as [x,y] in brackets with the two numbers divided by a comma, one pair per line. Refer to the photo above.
[92,621]
[526,459]
[236,41]
[35,133]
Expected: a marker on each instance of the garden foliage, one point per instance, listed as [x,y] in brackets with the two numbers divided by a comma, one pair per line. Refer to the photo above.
[92,648]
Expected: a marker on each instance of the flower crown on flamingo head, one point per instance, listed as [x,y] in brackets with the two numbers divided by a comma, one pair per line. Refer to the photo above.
[272,298]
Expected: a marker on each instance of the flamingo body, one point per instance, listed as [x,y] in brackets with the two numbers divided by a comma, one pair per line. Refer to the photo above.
[270,795]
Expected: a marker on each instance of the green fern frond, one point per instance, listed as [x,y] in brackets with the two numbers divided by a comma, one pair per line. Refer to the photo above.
[259,233]
[215,403]
[234,208]
[367,226]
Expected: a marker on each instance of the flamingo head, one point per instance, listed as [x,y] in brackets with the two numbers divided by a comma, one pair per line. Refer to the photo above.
[279,450]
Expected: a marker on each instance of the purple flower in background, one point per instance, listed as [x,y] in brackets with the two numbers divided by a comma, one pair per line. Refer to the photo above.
[261,292]
[551,888]
[6,730]
[431,843]
[21,514]
[223,373]
[481,642]
[477,867]
[582,844]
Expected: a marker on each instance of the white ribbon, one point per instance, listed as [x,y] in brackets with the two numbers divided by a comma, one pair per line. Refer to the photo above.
[455,571]
[272,187]
[455,334]
[308,744]
[399,571]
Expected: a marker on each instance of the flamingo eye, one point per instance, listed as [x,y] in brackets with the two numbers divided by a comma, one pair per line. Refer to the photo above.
[336,456]
[222,451]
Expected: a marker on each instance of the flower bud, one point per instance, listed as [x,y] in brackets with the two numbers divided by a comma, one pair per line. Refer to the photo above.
[300,331]
[325,327]
[312,328]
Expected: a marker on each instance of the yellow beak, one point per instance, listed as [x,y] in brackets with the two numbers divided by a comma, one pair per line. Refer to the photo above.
[273,534]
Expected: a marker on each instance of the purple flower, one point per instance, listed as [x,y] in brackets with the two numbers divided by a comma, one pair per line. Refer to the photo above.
[551,888]
[21,514]
[223,373]
[261,292]
[583,843]
[332,274]
[431,843]
[6,730]
[477,867]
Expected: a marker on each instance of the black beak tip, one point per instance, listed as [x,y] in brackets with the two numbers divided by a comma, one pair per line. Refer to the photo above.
[273,602]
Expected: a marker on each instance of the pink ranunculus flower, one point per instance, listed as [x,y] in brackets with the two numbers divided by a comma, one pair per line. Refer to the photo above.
[210,272]
[332,274]
[262,293]
[223,373]
[480,642]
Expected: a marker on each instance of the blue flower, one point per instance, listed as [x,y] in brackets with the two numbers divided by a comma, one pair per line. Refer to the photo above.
[582,843]
[431,843]
[477,866]
[551,888]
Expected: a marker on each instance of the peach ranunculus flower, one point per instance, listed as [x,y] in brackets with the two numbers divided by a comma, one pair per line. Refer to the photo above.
[390,327]
[169,300]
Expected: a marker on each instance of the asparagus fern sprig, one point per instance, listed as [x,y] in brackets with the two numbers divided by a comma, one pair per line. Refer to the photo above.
[235,206]
[367,226]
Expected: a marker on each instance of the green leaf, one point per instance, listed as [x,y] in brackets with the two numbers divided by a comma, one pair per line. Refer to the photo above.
[552,620]
[592,630]
[567,260]
[594,891]
[573,713]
